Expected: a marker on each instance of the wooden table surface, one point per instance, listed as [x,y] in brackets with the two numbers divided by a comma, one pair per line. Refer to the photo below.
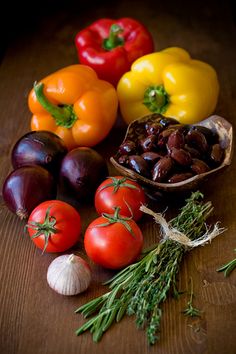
[34,319]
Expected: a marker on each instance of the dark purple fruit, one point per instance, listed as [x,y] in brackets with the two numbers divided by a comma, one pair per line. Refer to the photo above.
[127,148]
[163,137]
[216,154]
[162,169]
[199,166]
[197,140]
[193,152]
[210,135]
[149,143]
[181,156]
[139,165]
[153,128]
[123,160]
[151,157]
[175,140]
[179,177]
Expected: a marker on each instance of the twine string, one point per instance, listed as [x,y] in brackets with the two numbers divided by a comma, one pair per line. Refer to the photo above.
[171,233]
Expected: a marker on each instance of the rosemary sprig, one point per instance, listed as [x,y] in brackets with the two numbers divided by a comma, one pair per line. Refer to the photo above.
[142,287]
[228,267]
[190,310]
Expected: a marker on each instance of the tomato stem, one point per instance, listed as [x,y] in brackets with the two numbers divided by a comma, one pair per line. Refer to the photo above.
[117,218]
[46,228]
[117,183]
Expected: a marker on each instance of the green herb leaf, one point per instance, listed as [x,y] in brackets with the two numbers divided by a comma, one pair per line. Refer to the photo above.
[228,267]
[190,310]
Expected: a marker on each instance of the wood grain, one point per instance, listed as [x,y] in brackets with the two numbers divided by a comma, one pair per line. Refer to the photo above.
[33,318]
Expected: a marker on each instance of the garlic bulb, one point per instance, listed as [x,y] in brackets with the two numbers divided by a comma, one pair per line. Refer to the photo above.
[69,275]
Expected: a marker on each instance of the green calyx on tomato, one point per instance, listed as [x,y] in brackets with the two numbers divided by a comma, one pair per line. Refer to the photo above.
[117,183]
[117,218]
[47,228]
[120,191]
[61,230]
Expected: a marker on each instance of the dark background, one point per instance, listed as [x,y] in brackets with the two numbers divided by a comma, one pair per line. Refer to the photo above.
[23,17]
[37,38]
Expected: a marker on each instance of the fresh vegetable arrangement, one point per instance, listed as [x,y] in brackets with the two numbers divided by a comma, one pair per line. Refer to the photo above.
[42,163]
[110,46]
[73,110]
[169,82]
[74,104]
[142,287]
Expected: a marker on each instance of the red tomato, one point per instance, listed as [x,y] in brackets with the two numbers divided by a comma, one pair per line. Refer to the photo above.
[122,192]
[113,242]
[57,225]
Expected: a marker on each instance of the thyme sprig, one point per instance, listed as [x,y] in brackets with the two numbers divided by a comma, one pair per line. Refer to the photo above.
[142,287]
[190,310]
[228,267]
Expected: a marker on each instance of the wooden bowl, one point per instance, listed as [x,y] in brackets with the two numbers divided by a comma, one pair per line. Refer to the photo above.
[215,123]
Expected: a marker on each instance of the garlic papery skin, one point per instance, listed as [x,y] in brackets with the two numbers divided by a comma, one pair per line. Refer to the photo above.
[69,275]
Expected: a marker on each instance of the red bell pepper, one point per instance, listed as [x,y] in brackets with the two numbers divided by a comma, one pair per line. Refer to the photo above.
[110,46]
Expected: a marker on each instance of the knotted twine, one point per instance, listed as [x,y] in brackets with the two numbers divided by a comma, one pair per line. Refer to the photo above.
[171,233]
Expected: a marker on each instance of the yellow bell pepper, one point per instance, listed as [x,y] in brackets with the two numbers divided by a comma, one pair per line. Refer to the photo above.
[171,83]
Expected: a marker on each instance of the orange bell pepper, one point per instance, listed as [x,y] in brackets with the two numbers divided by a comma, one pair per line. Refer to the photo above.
[74,104]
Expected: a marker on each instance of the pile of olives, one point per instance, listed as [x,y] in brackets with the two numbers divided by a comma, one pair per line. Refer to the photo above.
[168,152]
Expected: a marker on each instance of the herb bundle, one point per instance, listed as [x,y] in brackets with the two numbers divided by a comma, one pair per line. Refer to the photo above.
[142,287]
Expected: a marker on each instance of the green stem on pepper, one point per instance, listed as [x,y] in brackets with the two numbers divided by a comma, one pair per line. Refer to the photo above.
[64,116]
[114,40]
[156,99]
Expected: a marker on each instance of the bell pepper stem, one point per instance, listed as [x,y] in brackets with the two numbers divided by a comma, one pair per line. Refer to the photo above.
[113,40]
[156,99]
[55,111]
[64,116]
